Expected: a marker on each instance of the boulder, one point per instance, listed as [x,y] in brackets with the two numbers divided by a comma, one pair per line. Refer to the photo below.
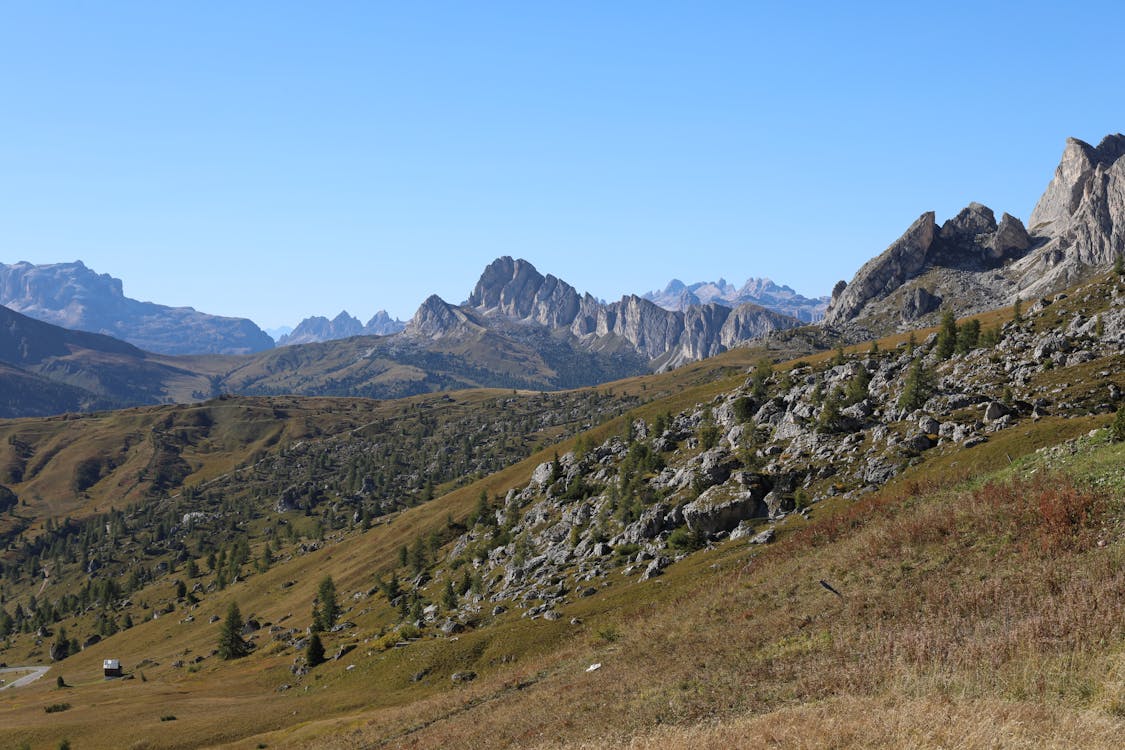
[719,509]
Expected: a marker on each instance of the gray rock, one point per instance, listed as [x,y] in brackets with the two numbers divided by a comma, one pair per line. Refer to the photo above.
[765,537]
[995,410]
[656,568]
[721,509]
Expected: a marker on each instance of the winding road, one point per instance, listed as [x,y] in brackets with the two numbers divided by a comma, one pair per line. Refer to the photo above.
[36,673]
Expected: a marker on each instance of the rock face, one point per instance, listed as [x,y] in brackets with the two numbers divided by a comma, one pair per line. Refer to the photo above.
[71,295]
[972,263]
[1080,218]
[762,292]
[963,263]
[515,290]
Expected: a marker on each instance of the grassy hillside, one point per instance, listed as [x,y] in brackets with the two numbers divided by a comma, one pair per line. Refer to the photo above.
[975,600]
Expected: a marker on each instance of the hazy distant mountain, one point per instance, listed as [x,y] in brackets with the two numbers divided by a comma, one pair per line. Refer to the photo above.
[680,296]
[73,296]
[277,333]
[319,328]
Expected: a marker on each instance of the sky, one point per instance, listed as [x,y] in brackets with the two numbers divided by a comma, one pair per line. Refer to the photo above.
[275,160]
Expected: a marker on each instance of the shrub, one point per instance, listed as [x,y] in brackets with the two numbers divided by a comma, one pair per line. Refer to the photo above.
[609,634]
[684,539]
[55,708]
[1117,429]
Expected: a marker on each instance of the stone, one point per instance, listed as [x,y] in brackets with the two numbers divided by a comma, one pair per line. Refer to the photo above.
[719,509]
[765,537]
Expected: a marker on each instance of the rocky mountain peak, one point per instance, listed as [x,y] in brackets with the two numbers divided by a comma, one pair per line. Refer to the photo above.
[883,274]
[1080,218]
[1072,181]
[382,324]
[972,220]
[73,296]
[763,292]
[435,318]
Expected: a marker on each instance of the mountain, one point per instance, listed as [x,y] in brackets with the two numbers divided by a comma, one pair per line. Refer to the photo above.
[73,296]
[48,369]
[515,290]
[319,328]
[1080,218]
[972,262]
[763,292]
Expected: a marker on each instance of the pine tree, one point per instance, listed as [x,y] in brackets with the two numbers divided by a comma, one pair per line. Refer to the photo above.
[763,370]
[314,652]
[1117,429]
[449,597]
[857,387]
[947,336]
[917,387]
[325,608]
[231,645]
[829,420]
[968,336]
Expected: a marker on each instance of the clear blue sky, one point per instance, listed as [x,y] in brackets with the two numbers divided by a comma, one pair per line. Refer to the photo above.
[276,160]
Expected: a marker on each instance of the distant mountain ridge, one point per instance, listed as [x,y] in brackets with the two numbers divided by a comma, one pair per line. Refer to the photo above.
[72,296]
[514,289]
[45,369]
[318,328]
[760,291]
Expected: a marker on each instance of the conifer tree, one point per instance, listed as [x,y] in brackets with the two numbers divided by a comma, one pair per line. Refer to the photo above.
[916,388]
[231,645]
[1117,429]
[449,596]
[947,336]
[325,608]
[314,652]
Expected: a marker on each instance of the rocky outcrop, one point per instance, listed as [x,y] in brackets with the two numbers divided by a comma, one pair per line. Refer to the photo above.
[639,502]
[72,296]
[1080,217]
[881,275]
[972,263]
[960,264]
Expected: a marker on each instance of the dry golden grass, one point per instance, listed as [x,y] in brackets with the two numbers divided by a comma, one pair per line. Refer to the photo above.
[980,618]
[850,722]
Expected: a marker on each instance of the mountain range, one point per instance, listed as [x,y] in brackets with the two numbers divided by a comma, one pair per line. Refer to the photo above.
[519,329]
[764,292]
[319,328]
[523,329]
